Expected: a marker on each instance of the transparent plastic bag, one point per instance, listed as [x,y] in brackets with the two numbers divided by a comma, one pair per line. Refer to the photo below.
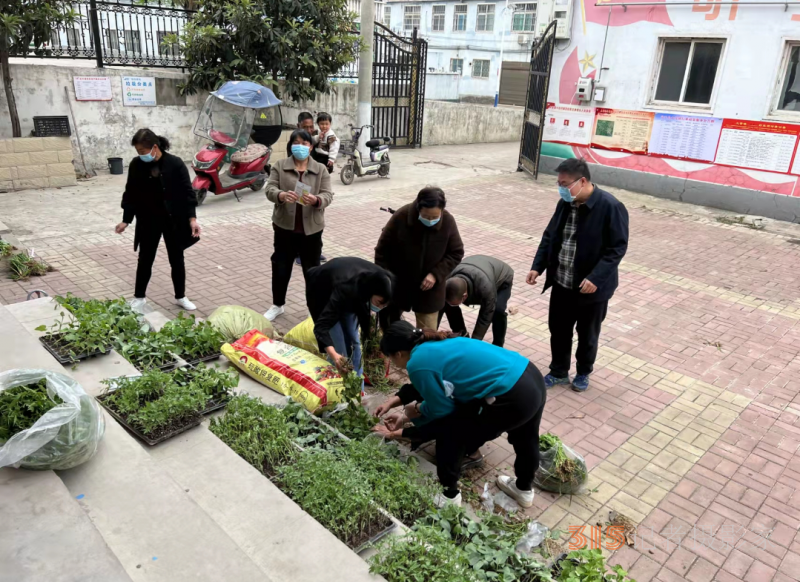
[535,535]
[568,476]
[65,436]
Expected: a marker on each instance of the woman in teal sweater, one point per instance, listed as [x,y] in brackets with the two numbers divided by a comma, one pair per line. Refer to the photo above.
[468,392]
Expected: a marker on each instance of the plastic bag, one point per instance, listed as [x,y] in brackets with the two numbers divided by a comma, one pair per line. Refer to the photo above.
[535,535]
[233,321]
[302,336]
[551,477]
[308,379]
[65,436]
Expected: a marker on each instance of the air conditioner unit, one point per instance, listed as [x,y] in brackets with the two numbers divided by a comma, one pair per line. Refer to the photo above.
[523,39]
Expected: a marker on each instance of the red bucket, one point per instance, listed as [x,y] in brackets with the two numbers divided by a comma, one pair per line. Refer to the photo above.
[386,375]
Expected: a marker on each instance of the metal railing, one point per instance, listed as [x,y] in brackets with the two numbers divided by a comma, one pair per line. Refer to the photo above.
[118,33]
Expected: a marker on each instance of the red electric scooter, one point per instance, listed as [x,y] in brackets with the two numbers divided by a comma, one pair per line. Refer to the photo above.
[233,115]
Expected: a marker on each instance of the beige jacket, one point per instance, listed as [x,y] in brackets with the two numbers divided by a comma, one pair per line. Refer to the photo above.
[283,178]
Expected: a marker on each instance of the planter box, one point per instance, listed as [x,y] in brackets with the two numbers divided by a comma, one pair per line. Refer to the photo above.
[50,342]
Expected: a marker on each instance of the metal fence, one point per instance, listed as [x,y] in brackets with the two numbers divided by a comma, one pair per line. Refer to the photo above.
[118,33]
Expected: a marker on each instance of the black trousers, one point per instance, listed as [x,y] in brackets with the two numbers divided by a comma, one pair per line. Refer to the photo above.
[499,320]
[322,159]
[569,310]
[289,245]
[517,412]
[149,233]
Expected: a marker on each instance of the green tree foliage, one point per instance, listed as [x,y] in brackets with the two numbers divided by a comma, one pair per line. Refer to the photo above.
[299,42]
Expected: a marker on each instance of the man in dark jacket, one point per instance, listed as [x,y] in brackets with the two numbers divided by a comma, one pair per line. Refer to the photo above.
[341,295]
[484,281]
[420,244]
[580,250]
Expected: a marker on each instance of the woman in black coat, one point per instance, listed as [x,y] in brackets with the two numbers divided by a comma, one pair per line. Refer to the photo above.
[159,195]
[341,296]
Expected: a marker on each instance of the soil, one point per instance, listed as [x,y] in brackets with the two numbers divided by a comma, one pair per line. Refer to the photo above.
[373,530]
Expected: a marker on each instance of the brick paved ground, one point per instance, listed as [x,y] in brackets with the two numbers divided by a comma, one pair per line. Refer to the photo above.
[692,422]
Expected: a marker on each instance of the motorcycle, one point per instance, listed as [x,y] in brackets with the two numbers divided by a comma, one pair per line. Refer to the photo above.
[233,115]
[378,157]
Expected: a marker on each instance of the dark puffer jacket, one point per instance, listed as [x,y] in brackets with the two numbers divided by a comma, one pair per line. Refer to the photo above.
[484,276]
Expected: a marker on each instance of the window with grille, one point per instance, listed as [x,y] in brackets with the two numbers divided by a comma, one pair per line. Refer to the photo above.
[133,42]
[485,21]
[166,49]
[112,40]
[438,19]
[460,18]
[410,17]
[480,68]
[456,66]
[387,16]
[687,70]
[524,18]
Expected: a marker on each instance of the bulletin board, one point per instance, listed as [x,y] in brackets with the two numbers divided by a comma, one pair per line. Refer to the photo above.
[757,145]
[569,124]
[622,130]
[686,137]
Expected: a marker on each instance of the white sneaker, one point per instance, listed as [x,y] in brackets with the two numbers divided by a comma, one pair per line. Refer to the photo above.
[508,485]
[274,312]
[441,500]
[138,303]
[185,304]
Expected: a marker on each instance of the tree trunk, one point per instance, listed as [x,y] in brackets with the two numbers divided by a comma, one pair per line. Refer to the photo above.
[276,88]
[12,104]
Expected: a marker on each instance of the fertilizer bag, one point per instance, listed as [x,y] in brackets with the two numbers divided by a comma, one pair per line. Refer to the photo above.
[561,470]
[302,336]
[65,436]
[233,321]
[308,379]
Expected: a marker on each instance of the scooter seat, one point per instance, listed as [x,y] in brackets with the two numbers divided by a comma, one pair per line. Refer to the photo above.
[376,142]
[380,148]
[251,153]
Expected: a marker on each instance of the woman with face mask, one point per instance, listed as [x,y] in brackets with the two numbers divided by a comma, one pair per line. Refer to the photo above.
[420,244]
[297,220]
[159,195]
[342,295]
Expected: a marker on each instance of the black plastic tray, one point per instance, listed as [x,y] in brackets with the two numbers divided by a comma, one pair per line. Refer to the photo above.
[215,407]
[141,436]
[168,367]
[68,359]
[380,535]
[203,359]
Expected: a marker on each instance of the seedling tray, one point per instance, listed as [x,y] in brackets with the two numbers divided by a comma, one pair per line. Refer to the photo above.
[208,358]
[49,342]
[216,406]
[175,363]
[144,438]
[378,536]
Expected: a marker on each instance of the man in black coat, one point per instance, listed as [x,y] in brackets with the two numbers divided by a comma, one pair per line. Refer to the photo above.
[484,281]
[581,250]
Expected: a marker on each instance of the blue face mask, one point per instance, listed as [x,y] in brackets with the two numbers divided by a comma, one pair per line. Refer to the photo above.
[566,195]
[147,158]
[427,222]
[374,308]
[300,151]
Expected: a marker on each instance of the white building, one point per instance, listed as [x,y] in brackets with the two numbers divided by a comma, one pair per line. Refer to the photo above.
[465,38]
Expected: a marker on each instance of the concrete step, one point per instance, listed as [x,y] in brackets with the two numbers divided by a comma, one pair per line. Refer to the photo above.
[45,535]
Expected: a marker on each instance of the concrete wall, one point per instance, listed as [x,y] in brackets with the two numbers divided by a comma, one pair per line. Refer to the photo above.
[36,162]
[341,103]
[455,123]
[105,127]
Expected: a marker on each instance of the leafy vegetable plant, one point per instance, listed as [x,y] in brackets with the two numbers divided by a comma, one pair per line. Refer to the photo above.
[5,248]
[22,406]
[23,266]
[560,470]
[257,432]
[216,383]
[335,493]
[354,421]
[146,350]
[306,431]
[193,340]
[375,363]
[589,566]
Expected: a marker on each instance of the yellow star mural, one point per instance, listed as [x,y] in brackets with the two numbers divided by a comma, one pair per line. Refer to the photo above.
[587,61]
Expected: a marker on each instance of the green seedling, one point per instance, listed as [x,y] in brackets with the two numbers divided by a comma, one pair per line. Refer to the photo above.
[22,406]
[193,340]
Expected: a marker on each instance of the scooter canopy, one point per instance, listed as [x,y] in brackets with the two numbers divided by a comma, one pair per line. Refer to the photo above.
[246,94]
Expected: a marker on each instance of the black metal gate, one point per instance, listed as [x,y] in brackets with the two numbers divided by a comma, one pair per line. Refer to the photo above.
[398,87]
[536,101]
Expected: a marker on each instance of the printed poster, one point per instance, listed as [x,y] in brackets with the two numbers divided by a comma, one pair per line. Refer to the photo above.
[92,88]
[690,137]
[758,145]
[571,124]
[139,91]
[622,130]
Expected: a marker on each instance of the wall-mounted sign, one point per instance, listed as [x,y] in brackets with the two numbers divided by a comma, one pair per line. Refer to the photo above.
[139,91]
[622,130]
[92,88]
[571,124]
[689,137]
[759,145]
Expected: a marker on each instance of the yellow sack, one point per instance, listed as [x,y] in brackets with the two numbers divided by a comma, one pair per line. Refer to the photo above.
[308,379]
[302,336]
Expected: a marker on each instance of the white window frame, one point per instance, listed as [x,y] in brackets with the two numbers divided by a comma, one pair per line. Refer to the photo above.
[456,14]
[485,15]
[460,69]
[387,12]
[780,76]
[523,12]
[409,12]
[652,103]
[442,17]
[488,69]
